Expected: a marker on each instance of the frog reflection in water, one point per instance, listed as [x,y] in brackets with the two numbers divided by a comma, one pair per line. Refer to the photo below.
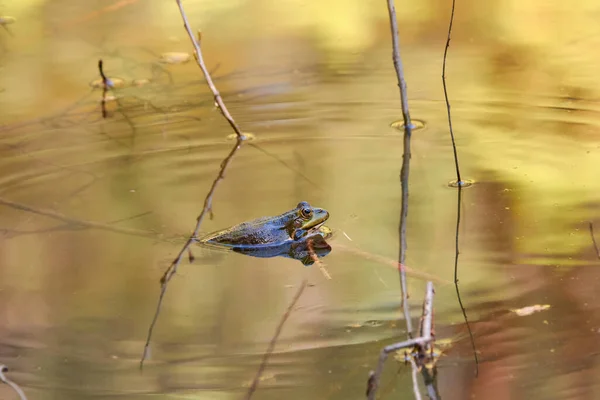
[293,234]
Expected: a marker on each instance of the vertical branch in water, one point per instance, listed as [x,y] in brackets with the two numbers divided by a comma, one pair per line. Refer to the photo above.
[459,184]
[459,181]
[375,376]
[404,173]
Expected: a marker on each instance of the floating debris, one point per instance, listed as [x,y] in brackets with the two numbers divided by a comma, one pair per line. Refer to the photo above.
[140,82]
[175,57]
[416,124]
[464,183]
[247,136]
[523,312]
[6,20]
[368,324]
[112,83]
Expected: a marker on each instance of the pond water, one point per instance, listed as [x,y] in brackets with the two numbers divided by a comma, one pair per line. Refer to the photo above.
[94,210]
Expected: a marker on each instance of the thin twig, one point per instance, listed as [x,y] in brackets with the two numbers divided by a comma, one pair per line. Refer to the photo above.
[186,248]
[404,173]
[459,184]
[105,85]
[211,85]
[459,181]
[14,386]
[271,347]
[594,240]
[462,308]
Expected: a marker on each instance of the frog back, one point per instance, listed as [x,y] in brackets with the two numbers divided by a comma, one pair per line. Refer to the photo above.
[265,230]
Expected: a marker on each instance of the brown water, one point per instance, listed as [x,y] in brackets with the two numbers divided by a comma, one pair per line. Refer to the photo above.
[314,82]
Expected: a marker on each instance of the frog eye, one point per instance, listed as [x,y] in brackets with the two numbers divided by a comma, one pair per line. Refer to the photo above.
[306,212]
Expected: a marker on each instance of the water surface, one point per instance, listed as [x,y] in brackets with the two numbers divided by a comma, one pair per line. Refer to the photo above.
[314,83]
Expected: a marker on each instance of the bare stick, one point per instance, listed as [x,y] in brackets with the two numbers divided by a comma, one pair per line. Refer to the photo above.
[186,248]
[419,342]
[459,181]
[594,240]
[428,312]
[405,160]
[14,386]
[209,81]
[404,173]
[271,347]
[398,63]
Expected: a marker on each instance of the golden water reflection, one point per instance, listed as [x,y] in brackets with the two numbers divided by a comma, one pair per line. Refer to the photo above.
[314,82]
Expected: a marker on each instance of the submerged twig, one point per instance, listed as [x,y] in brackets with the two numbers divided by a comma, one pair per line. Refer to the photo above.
[211,85]
[459,181]
[271,347]
[594,240]
[74,223]
[421,343]
[404,173]
[14,386]
[207,209]
[462,308]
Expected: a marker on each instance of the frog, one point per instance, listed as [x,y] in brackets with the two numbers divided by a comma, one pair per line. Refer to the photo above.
[305,249]
[292,226]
